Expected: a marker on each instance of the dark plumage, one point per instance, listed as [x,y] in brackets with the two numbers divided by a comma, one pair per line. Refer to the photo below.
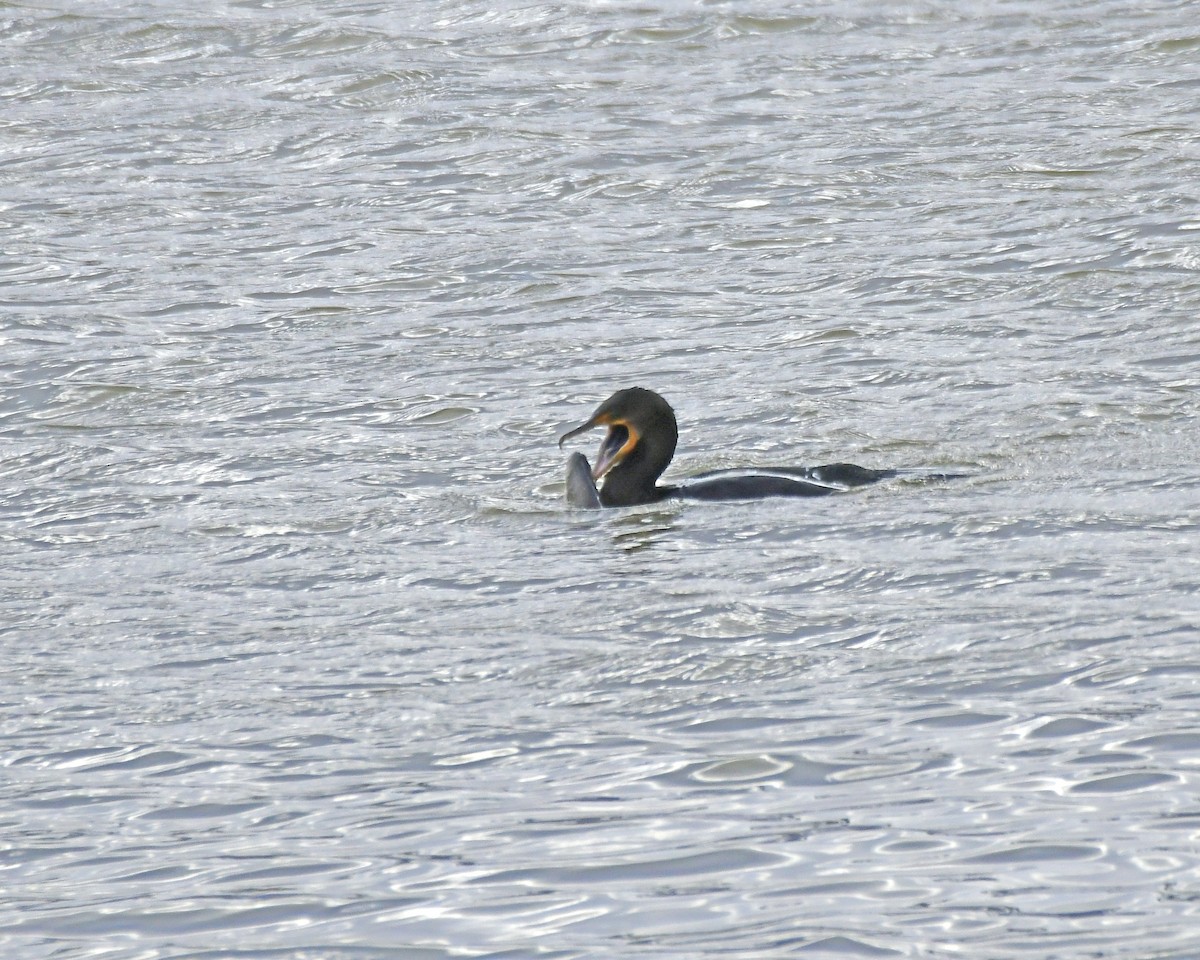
[640,443]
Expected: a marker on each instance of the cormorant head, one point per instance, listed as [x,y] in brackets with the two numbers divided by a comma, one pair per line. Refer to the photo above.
[639,444]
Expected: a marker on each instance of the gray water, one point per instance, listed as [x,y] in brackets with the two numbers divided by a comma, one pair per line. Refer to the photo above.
[303,655]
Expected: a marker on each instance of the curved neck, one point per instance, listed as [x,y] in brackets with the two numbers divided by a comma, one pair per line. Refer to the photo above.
[634,480]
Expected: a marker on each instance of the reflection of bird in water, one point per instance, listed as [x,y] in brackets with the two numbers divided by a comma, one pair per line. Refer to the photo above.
[640,442]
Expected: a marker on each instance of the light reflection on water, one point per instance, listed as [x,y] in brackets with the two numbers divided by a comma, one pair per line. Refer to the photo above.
[304,655]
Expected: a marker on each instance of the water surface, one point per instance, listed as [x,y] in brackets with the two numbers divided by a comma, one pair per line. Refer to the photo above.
[304,656]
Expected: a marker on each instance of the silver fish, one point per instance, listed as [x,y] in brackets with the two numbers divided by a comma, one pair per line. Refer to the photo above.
[581,488]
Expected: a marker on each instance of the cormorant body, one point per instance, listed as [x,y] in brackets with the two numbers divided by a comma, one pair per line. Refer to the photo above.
[641,439]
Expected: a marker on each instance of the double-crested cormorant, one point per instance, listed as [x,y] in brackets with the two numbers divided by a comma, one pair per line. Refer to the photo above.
[640,442]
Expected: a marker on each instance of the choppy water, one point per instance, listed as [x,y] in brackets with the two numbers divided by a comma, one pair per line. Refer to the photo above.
[304,658]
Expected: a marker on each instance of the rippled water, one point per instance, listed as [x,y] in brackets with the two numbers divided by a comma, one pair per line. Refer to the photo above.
[305,658]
